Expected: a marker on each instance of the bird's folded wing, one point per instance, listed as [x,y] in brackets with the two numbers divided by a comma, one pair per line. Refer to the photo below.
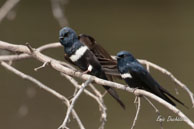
[146,79]
[108,64]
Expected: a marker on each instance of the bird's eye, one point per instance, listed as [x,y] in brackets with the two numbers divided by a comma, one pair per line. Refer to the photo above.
[121,56]
[66,34]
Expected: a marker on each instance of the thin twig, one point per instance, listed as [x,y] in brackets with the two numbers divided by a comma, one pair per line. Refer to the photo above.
[30,47]
[35,81]
[176,90]
[40,67]
[14,57]
[102,107]
[63,126]
[156,109]
[98,97]
[49,46]
[96,91]
[58,7]
[74,82]
[137,113]
[7,7]
[44,87]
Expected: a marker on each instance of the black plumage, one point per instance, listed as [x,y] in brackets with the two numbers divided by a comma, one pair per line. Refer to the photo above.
[136,76]
[80,55]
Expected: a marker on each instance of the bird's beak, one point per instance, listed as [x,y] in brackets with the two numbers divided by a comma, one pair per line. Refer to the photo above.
[61,37]
[117,57]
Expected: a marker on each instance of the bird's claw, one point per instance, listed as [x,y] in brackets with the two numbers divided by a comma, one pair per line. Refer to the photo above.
[85,72]
[134,89]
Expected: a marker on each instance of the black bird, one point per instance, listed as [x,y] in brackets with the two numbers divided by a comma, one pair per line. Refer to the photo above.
[136,76]
[80,55]
[109,65]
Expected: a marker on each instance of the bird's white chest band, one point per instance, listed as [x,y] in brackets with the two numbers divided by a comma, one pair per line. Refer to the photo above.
[79,53]
[126,75]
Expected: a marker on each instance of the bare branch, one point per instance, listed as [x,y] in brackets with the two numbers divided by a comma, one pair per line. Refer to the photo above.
[30,47]
[102,107]
[38,83]
[98,98]
[48,46]
[137,113]
[7,7]
[70,108]
[44,87]
[58,8]
[122,87]
[14,57]
[147,63]
[41,48]
[42,66]
[57,66]
[156,109]
[96,91]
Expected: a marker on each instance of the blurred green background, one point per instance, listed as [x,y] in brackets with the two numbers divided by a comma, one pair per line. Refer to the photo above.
[160,31]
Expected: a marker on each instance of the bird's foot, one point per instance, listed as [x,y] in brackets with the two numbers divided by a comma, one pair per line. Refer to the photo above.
[137,94]
[134,89]
[76,70]
[87,71]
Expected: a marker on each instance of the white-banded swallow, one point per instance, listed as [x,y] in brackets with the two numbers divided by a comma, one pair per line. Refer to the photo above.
[136,76]
[80,55]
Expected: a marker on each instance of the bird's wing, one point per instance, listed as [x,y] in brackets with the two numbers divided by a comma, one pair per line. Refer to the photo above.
[146,80]
[108,64]
[96,48]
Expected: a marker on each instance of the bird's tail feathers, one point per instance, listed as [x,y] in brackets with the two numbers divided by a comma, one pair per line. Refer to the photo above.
[168,100]
[167,93]
[114,94]
[111,91]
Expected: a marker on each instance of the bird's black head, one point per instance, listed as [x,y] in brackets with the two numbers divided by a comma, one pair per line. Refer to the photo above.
[67,36]
[125,56]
